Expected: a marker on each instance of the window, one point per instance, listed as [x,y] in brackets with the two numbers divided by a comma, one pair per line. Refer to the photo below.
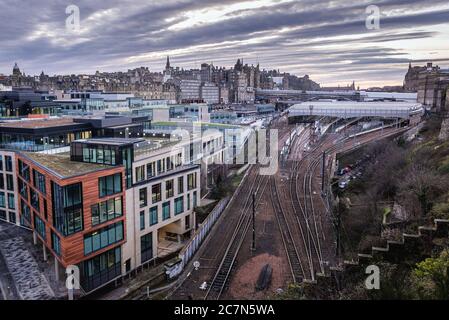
[3,214]
[194,199]
[110,185]
[67,208]
[39,181]
[101,269]
[188,201]
[12,217]
[191,181]
[146,247]
[45,209]
[168,189]
[151,170]
[9,182]
[106,210]
[166,211]
[24,170]
[26,212]
[178,160]
[140,173]
[102,238]
[180,185]
[23,189]
[1,162]
[2,200]
[8,163]
[179,205]
[142,220]
[156,193]
[2,182]
[55,243]
[169,163]
[39,226]
[187,222]
[11,201]
[143,197]
[160,166]
[35,199]
[153,216]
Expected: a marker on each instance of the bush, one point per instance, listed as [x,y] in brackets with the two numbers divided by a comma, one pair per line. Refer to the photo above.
[440,211]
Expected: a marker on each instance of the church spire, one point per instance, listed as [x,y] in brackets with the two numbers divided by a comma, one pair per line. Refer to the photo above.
[167,65]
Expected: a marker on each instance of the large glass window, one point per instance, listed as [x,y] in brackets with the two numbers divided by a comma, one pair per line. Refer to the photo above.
[146,247]
[188,201]
[166,211]
[9,182]
[11,201]
[2,183]
[143,197]
[168,189]
[23,189]
[140,173]
[151,170]
[101,269]
[24,170]
[102,238]
[39,226]
[191,181]
[2,200]
[142,220]
[110,185]
[180,185]
[156,193]
[106,210]
[34,199]
[26,212]
[194,198]
[67,208]
[169,163]
[153,216]
[8,163]
[39,181]
[55,243]
[179,205]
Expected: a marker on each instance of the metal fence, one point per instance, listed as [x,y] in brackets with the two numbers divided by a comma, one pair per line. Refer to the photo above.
[200,234]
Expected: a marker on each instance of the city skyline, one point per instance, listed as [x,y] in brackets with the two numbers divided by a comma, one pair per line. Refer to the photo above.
[329,42]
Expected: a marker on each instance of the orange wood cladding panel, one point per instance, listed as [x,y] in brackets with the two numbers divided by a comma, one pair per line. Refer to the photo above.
[72,246]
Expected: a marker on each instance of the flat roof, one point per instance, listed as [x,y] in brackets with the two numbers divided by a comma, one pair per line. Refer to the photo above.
[61,165]
[111,141]
[37,124]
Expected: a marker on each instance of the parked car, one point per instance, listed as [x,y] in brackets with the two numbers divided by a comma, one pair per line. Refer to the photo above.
[342,184]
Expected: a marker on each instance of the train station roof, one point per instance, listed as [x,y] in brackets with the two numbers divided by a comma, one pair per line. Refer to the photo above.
[354,109]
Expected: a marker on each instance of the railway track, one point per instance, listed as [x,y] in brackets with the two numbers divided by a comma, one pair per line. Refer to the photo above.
[225,268]
[293,256]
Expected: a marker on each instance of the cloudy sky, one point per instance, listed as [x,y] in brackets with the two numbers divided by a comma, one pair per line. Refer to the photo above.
[326,39]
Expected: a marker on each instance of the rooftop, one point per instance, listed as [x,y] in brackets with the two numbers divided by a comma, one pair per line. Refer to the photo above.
[36,124]
[61,165]
[112,141]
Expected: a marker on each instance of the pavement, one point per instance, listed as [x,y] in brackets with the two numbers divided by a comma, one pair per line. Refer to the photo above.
[24,275]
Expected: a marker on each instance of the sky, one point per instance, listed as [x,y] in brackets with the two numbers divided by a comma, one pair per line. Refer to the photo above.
[328,40]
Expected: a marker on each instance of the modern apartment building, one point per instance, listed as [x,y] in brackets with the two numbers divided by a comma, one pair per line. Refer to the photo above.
[165,190]
[111,205]
[76,209]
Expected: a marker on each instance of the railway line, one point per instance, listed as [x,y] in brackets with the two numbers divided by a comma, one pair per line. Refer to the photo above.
[302,216]
[225,268]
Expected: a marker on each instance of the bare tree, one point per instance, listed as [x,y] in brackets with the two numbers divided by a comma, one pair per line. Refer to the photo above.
[422,184]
